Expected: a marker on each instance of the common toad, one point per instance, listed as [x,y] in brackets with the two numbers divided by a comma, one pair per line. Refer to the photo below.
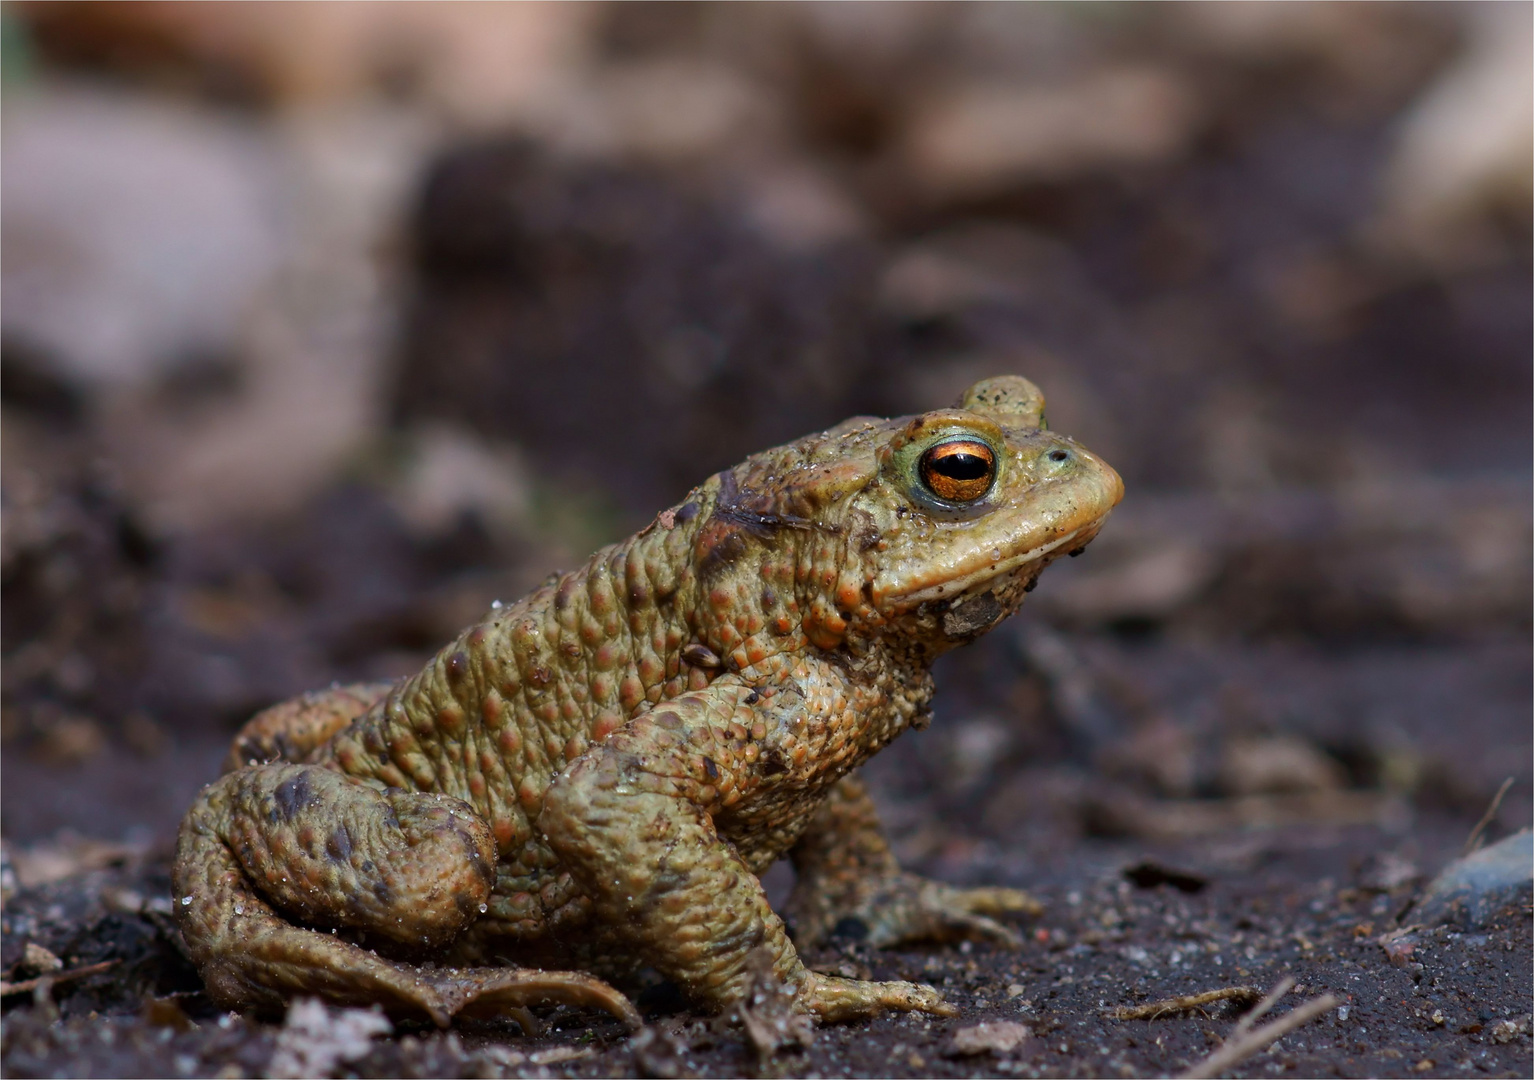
[589,781]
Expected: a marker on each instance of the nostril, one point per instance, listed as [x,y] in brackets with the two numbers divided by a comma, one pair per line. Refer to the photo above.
[1059,455]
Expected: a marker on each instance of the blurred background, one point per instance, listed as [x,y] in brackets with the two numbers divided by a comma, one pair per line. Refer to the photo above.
[324,325]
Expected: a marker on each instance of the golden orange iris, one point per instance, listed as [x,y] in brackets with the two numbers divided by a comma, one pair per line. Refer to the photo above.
[960,470]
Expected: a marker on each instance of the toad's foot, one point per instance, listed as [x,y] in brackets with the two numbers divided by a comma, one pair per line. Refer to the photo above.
[487,993]
[904,907]
[442,995]
[849,884]
[833,999]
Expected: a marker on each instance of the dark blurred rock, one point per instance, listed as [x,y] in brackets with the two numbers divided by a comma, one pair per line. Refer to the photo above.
[628,333]
[75,567]
[30,384]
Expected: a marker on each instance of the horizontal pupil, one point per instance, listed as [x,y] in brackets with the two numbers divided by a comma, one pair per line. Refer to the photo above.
[961,466]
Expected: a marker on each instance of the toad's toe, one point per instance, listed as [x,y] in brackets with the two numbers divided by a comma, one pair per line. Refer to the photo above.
[833,999]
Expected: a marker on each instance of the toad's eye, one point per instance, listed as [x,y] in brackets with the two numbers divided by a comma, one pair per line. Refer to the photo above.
[960,470]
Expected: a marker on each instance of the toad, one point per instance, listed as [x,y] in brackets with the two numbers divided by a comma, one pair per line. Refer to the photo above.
[590,781]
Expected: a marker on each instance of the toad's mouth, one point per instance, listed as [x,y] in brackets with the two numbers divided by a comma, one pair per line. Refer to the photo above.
[972,581]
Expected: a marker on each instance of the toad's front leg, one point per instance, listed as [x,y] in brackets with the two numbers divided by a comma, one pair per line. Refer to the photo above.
[632,820]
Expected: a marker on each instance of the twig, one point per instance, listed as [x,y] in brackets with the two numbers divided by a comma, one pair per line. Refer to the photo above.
[1283,986]
[1180,819]
[28,985]
[1237,1050]
[1487,818]
[1156,1009]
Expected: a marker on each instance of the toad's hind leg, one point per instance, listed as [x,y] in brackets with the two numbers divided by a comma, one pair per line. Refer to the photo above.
[269,844]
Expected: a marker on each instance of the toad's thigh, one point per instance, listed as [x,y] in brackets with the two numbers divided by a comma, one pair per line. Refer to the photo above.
[331,851]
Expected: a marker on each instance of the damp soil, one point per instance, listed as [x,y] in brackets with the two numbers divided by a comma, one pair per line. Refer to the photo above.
[1125,925]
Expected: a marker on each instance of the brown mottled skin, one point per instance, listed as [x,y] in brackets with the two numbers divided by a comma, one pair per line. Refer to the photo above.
[591,780]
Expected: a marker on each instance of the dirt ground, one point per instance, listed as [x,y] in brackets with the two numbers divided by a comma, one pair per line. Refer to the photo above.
[1126,924]
[415,334]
